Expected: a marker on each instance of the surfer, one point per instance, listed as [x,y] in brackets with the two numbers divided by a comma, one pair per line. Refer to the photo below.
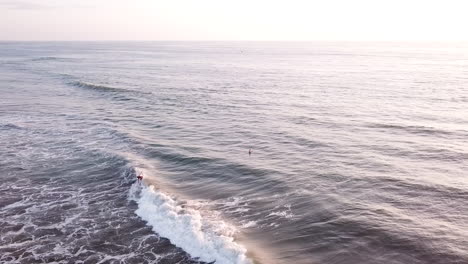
[250,151]
[140,176]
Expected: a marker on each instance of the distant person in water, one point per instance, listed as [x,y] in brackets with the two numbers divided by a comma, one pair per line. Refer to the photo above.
[140,176]
[250,151]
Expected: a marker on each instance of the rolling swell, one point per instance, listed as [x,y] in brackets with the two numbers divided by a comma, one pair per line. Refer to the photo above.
[418,130]
[50,58]
[229,172]
[114,93]
[420,153]
[377,230]
[100,88]
[9,126]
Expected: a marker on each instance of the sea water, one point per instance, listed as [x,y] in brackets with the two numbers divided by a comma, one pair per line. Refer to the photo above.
[359,152]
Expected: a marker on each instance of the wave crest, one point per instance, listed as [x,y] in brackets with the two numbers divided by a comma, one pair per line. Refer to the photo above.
[98,87]
[186,228]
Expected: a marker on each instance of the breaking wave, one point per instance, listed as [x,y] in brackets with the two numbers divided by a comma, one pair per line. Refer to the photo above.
[210,241]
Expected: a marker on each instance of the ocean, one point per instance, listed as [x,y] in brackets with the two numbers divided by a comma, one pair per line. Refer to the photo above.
[359,152]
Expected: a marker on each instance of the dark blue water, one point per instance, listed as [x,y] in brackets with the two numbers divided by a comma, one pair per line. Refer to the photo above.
[359,152]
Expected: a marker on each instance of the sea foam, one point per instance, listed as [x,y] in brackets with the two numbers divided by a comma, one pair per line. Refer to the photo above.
[186,228]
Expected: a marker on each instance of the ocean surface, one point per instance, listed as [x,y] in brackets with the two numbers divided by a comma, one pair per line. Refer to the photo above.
[359,152]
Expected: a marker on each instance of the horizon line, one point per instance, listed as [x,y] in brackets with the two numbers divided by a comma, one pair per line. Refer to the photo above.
[318,40]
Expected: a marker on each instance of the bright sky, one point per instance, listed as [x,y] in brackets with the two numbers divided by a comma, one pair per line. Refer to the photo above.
[397,20]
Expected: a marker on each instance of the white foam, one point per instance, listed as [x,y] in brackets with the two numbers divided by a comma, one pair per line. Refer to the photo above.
[233,202]
[249,224]
[186,228]
[284,214]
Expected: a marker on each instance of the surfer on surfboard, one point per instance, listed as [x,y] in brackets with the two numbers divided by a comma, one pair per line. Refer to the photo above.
[140,176]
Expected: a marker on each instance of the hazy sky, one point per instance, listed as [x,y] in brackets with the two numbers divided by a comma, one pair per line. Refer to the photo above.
[411,20]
